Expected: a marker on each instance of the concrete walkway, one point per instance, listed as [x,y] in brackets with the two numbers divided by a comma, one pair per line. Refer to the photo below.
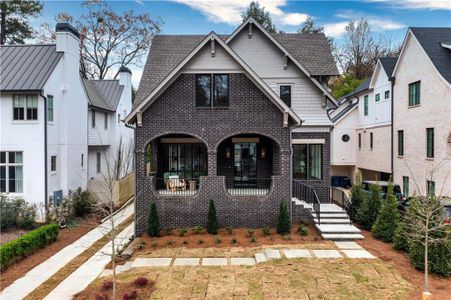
[91,269]
[39,274]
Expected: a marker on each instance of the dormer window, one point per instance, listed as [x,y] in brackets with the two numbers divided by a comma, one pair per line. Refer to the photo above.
[212,90]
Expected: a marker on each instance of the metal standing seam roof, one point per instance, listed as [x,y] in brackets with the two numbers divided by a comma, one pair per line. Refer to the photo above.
[27,67]
[168,51]
[430,40]
[103,94]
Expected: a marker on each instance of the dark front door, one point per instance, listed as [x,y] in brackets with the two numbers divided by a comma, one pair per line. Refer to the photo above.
[245,164]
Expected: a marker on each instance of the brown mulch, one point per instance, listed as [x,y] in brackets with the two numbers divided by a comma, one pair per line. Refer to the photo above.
[95,291]
[439,287]
[11,234]
[66,237]
[205,240]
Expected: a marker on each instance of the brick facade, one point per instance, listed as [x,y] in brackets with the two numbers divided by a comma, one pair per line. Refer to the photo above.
[249,112]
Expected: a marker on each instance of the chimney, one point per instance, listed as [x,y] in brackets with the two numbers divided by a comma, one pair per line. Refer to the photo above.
[125,79]
[67,39]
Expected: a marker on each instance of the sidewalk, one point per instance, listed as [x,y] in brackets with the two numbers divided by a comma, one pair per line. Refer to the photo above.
[38,275]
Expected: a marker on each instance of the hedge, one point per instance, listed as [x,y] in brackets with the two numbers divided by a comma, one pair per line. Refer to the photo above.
[27,244]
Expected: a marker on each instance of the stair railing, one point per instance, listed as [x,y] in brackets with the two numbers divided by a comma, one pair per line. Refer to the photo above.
[340,198]
[308,194]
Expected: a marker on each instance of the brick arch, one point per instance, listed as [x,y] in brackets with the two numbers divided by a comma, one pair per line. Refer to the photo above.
[223,138]
[148,141]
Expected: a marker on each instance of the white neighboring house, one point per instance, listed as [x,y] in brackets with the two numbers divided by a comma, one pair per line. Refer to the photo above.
[46,119]
[43,141]
[422,112]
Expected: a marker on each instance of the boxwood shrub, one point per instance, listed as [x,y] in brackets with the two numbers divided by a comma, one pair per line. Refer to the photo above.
[27,244]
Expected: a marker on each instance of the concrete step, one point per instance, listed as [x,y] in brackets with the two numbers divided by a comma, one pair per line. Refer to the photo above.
[260,257]
[333,221]
[337,228]
[342,237]
[331,216]
[272,254]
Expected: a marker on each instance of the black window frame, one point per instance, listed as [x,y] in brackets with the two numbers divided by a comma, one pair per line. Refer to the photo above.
[377,98]
[387,94]
[50,108]
[371,140]
[360,141]
[417,100]
[98,162]
[105,115]
[308,162]
[213,98]
[430,142]
[25,112]
[53,163]
[286,101]
[93,118]
[400,142]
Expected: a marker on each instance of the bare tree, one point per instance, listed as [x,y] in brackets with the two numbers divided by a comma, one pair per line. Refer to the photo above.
[109,40]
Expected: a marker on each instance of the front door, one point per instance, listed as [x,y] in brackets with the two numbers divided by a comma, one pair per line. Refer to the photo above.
[245,163]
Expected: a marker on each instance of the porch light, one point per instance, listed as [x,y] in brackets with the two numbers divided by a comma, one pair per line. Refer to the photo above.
[228,152]
[263,153]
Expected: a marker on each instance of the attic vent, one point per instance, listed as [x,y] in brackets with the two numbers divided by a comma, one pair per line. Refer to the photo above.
[250,29]
[212,46]
[285,65]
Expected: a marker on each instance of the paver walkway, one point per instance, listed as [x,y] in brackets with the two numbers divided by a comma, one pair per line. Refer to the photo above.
[39,274]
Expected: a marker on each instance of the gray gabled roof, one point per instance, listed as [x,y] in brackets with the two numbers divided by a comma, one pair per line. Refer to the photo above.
[168,51]
[103,94]
[27,67]
[430,40]
[388,64]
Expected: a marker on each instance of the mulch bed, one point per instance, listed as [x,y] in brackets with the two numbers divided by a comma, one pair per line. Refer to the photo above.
[66,237]
[96,291]
[439,287]
[12,234]
[145,243]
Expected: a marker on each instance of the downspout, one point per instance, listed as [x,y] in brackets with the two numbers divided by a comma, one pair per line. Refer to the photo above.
[392,80]
[46,192]
[134,168]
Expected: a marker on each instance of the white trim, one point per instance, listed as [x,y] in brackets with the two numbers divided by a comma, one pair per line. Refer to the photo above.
[374,75]
[313,128]
[345,114]
[308,141]
[447,46]
[251,74]
[286,53]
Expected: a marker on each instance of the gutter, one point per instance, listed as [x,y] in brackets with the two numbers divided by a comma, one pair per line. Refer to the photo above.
[46,192]
[392,80]
[136,176]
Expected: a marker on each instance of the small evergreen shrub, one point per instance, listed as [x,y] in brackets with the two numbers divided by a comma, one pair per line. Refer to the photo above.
[229,230]
[287,237]
[284,223]
[200,242]
[266,231]
[302,230]
[197,229]
[369,209]
[27,244]
[399,238]
[83,203]
[182,231]
[141,245]
[153,227]
[358,195]
[218,241]
[253,239]
[250,232]
[439,256]
[154,244]
[212,224]
[185,242]
[16,212]
[388,217]
[234,241]
[169,243]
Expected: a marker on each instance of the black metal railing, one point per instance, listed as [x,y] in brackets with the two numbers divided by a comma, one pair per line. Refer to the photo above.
[247,187]
[176,186]
[307,194]
[339,197]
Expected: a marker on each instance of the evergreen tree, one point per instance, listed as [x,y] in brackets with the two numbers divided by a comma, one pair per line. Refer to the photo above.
[309,26]
[212,223]
[357,196]
[284,224]
[260,14]
[369,209]
[153,228]
[388,217]
[14,25]
[399,237]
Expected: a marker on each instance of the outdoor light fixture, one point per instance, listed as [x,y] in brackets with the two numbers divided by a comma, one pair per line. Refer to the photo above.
[263,153]
[227,152]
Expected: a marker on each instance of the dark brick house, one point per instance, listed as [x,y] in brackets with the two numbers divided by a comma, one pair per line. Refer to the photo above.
[218,117]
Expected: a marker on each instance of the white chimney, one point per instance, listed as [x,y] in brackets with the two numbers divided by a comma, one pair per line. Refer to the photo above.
[67,40]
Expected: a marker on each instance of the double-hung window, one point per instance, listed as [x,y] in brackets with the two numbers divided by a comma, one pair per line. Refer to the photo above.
[378,97]
[25,107]
[212,90]
[53,163]
[386,95]
[430,187]
[49,108]
[400,142]
[430,142]
[365,105]
[285,94]
[414,93]
[308,161]
[11,172]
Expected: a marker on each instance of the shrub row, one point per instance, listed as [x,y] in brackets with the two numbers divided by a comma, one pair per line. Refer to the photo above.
[27,244]
[16,212]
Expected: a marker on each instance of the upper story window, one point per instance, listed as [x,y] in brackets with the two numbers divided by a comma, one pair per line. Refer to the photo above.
[378,97]
[365,105]
[387,94]
[360,140]
[93,118]
[25,107]
[371,140]
[430,142]
[285,94]
[400,142]
[11,172]
[212,90]
[53,163]
[414,93]
[106,120]
[50,108]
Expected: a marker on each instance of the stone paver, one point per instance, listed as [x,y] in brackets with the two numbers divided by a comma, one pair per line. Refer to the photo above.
[357,254]
[186,261]
[297,253]
[242,261]
[214,261]
[39,274]
[151,262]
[260,257]
[272,254]
[327,253]
[348,245]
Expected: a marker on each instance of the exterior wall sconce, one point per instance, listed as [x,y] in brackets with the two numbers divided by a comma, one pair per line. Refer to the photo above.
[263,153]
[227,152]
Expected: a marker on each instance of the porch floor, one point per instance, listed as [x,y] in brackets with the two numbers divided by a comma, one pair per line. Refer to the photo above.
[231,191]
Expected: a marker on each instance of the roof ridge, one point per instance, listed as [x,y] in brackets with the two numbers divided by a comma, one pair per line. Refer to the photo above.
[27,45]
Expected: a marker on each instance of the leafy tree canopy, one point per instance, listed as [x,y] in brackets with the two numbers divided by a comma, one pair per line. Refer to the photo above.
[344,85]
[14,25]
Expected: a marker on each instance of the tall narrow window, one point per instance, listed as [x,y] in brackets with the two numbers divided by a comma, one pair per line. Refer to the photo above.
[93,118]
[212,90]
[365,105]
[105,115]
[32,108]
[430,142]
[378,97]
[360,140]
[316,162]
[11,174]
[405,186]
[50,108]
[430,187]
[19,107]
[285,94]
[221,90]
[203,90]
[387,94]
[98,162]
[414,93]
[82,160]
[371,140]
[400,142]
[308,161]
[53,163]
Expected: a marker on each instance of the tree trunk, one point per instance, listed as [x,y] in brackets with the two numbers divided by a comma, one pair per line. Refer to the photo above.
[113,251]
[3,28]
[426,262]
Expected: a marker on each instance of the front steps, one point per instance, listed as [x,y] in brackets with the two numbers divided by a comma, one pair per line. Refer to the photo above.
[333,223]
